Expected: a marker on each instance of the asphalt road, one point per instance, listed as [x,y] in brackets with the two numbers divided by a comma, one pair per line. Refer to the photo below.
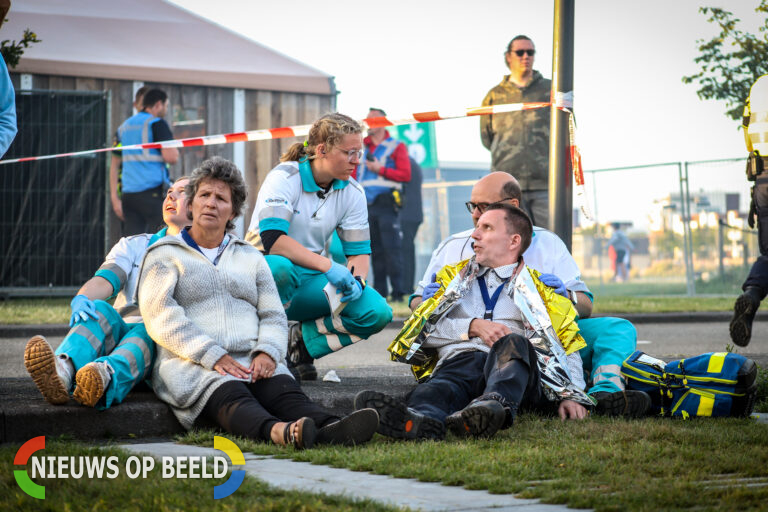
[663,340]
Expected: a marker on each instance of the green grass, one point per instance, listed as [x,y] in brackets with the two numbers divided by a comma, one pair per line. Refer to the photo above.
[35,311]
[602,463]
[57,311]
[612,304]
[729,284]
[153,493]
[761,403]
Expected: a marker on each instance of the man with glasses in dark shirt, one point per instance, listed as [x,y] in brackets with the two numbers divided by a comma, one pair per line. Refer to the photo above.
[519,141]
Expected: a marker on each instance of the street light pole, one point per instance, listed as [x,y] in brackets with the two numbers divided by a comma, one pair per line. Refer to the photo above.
[560,180]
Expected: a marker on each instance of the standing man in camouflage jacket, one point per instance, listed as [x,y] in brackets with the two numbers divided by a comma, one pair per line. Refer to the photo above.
[519,141]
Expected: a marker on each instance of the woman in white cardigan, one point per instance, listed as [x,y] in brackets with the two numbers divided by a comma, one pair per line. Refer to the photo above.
[209,301]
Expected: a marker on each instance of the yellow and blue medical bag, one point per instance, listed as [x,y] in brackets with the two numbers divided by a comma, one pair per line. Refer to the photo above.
[712,384]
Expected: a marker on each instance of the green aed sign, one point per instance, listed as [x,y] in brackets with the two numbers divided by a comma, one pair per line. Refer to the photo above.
[420,139]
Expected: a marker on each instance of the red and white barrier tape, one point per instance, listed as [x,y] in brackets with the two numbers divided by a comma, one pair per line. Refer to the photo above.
[562,101]
[578,171]
[293,131]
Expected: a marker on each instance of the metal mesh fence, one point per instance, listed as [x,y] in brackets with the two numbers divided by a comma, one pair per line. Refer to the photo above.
[723,247]
[52,223]
[686,221]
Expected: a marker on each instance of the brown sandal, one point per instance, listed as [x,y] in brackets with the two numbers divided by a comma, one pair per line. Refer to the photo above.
[305,435]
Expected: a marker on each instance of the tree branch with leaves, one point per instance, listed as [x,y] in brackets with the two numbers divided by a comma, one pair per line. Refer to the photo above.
[732,60]
[12,51]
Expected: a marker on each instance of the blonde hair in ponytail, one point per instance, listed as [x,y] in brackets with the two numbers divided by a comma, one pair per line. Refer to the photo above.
[329,129]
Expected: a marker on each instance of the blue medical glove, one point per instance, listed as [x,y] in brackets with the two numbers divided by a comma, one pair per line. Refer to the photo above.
[340,277]
[555,282]
[431,289]
[82,309]
[353,293]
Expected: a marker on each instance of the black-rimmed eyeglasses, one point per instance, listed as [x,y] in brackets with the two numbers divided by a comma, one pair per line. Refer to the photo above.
[520,53]
[483,206]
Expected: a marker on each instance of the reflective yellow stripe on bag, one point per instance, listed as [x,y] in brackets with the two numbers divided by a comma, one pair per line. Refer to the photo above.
[716,362]
[705,405]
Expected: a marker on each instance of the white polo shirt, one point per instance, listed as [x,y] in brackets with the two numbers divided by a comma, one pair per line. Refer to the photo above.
[547,254]
[121,268]
[290,201]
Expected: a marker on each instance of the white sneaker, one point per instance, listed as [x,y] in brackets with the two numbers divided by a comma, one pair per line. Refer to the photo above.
[92,381]
[52,374]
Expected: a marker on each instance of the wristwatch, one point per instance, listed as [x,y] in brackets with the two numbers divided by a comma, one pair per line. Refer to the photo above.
[574,297]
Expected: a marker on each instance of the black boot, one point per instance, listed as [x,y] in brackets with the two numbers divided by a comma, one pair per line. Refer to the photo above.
[481,418]
[299,362]
[628,403]
[743,313]
[397,420]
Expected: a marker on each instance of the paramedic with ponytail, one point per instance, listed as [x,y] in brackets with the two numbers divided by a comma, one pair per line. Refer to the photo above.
[302,202]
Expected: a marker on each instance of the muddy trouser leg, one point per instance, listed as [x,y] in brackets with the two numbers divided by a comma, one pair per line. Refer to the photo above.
[451,387]
[512,375]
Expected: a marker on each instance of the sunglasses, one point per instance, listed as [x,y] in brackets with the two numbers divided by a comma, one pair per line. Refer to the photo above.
[520,53]
[482,206]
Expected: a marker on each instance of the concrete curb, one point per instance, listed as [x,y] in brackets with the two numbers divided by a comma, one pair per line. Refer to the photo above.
[24,414]
[29,330]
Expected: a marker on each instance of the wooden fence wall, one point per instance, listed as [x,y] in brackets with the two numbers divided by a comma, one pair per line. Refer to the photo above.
[200,110]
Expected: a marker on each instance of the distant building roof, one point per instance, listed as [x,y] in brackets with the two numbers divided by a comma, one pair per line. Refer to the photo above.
[151,41]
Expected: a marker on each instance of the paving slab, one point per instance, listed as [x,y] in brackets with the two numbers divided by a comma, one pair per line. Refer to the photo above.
[400,492]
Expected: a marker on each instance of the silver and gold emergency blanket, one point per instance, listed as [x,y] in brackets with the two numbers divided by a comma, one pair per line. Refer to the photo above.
[549,321]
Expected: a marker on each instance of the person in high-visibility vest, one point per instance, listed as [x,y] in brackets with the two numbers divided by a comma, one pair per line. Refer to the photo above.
[144,173]
[755,124]
[383,170]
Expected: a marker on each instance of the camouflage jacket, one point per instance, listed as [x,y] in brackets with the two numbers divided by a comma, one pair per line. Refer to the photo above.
[519,141]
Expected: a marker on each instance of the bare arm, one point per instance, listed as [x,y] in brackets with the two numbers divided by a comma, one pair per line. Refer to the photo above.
[114,168]
[584,305]
[415,302]
[96,288]
[361,262]
[170,155]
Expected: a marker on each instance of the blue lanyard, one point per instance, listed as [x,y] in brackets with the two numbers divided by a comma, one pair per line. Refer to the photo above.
[490,302]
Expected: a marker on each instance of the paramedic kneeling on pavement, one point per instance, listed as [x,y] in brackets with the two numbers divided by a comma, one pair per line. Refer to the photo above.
[302,202]
[487,367]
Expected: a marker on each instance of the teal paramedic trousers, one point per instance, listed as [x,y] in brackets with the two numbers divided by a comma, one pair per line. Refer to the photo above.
[126,348]
[301,292]
[609,342]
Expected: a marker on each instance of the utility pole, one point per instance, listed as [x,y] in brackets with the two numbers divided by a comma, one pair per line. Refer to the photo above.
[560,172]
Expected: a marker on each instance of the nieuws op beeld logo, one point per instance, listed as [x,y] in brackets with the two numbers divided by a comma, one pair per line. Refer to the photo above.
[99,467]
